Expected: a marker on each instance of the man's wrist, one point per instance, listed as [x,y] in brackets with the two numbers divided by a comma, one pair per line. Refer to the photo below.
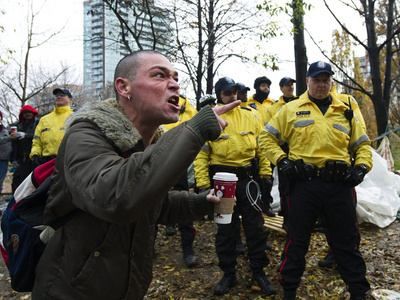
[205,123]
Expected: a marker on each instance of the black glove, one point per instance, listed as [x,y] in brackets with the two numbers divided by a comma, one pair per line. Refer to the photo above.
[356,175]
[36,161]
[266,187]
[287,168]
[266,198]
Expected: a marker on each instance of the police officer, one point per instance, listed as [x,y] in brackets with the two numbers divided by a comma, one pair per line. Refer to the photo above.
[242,96]
[259,110]
[287,89]
[329,154]
[187,230]
[260,100]
[49,132]
[329,260]
[235,152]
[242,92]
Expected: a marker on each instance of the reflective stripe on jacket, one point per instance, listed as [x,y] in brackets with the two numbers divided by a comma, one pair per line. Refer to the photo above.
[237,146]
[314,137]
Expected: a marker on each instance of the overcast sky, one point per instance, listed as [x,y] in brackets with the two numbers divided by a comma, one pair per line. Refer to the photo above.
[67,47]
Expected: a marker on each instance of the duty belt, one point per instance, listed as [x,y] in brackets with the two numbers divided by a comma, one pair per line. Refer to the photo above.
[241,172]
[334,171]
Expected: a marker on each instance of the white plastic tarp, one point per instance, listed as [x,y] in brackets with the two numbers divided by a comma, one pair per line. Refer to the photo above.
[377,196]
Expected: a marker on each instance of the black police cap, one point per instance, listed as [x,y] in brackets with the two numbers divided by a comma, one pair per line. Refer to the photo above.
[59,91]
[319,67]
[286,81]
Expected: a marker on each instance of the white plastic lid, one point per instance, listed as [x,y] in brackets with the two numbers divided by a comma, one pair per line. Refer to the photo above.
[224,176]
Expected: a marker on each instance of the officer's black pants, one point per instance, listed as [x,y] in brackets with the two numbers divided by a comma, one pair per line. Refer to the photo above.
[334,203]
[188,233]
[255,233]
[284,188]
[187,230]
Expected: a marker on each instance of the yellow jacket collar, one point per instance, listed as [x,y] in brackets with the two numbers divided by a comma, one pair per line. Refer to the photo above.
[336,103]
[62,109]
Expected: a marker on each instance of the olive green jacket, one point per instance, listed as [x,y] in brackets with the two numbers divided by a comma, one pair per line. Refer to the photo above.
[114,191]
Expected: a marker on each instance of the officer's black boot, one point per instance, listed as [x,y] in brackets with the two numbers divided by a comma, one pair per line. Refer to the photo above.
[328,261]
[264,283]
[289,294]
[189,258]
[170,230]
[225,284]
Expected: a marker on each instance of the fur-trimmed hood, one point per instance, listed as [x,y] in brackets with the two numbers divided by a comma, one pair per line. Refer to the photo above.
[107,115]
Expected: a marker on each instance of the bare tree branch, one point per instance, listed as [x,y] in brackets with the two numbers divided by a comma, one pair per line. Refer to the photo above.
[357,86]
[344,27]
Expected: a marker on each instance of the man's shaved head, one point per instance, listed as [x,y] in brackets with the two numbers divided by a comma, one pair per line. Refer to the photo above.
[129,64]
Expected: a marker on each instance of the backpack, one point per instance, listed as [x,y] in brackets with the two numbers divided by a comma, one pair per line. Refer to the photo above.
[22,224]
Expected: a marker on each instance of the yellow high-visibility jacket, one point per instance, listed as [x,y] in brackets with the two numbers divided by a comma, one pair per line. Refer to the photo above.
[49,132]
[261,107]
[350,101]
[187,112]
[237,146]
[275,107]
[315,137]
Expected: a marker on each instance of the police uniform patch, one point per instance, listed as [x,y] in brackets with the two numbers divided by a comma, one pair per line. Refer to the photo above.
[303,113]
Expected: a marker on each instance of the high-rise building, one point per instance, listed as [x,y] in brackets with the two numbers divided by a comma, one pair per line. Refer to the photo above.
[104,40]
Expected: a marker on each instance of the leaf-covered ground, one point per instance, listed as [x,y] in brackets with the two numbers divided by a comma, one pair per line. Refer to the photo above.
[380,248]
[172,280]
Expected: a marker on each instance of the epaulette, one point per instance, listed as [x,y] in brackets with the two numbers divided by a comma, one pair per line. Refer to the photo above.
[246,108]
[253,105]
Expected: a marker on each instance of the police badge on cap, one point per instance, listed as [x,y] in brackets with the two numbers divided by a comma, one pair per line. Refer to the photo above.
[319,67]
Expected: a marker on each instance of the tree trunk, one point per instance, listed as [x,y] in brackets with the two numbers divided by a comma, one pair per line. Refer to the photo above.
[387,83]
[381,111]
[200,52]
[381,114]
[300,51]
[211,45]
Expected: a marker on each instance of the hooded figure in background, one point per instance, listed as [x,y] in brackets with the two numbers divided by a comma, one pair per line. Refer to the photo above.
[260,100]
[22,144]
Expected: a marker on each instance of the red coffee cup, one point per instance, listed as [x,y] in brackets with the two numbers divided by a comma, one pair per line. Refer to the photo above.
[225,188]
[13,129]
